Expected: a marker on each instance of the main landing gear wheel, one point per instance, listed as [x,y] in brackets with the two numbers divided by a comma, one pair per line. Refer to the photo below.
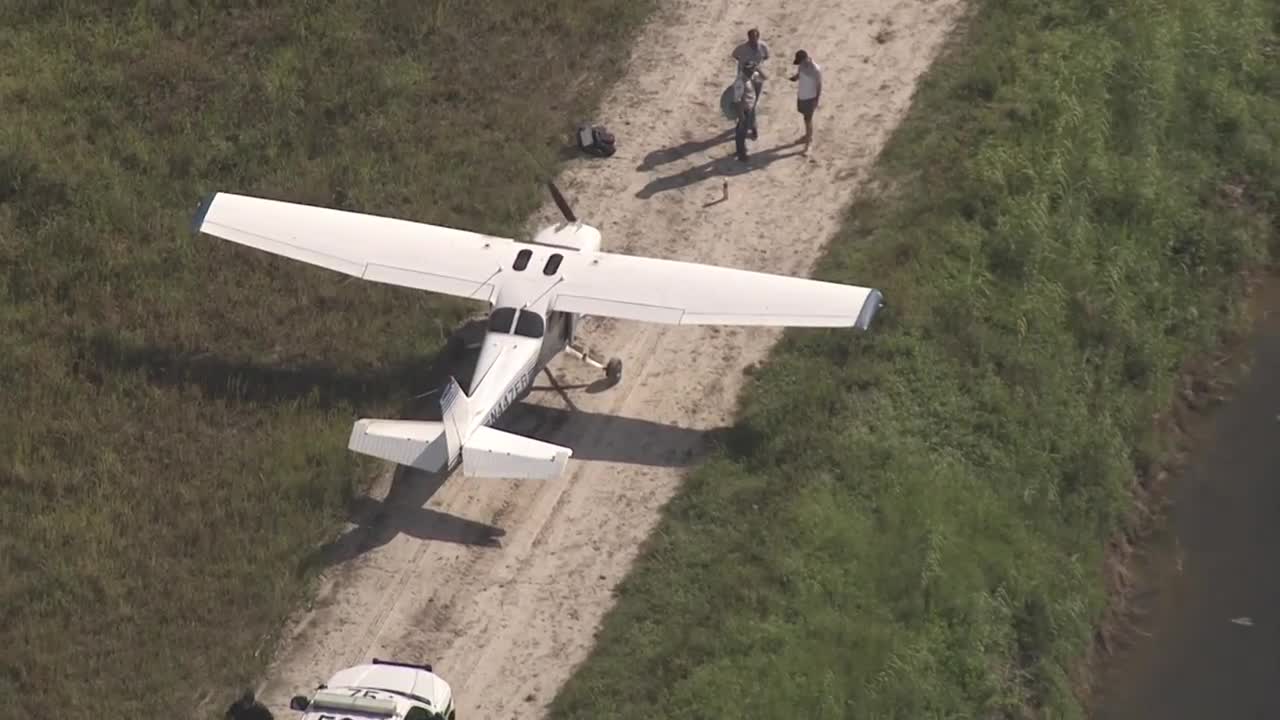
[613,371]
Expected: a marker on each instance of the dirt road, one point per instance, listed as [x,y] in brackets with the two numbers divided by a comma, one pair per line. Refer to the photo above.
[502,584]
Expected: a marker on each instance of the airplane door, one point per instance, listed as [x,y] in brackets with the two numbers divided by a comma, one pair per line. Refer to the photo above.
[561,326]
[559,334]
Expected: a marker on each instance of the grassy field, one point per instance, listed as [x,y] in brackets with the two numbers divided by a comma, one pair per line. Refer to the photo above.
[175,409]
[1062,221]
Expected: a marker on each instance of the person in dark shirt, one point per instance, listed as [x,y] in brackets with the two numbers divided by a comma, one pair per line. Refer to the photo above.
[754,52]
[248,708]
[744,100]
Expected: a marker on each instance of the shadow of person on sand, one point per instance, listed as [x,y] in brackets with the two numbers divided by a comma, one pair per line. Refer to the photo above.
[727,166]
[683,150]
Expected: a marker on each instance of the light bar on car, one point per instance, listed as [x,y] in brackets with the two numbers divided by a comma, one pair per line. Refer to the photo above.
[336,701]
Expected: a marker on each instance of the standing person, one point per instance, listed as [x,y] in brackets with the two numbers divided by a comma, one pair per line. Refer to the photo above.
[248,708]
[808,91]
[744,100]
[754,51]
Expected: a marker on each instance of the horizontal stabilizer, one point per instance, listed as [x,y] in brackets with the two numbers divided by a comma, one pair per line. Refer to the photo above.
[416,443]
[491,453]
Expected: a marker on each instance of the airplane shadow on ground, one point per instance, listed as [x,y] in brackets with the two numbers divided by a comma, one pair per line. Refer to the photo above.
[596,437]
[726,166]
[376,522]
[593,436]
[402,511]
[244,381]
[635,442]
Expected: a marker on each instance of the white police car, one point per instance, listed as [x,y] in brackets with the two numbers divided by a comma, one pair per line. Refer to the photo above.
[381,689]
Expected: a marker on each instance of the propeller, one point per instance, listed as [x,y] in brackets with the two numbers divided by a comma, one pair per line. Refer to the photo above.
[561,202]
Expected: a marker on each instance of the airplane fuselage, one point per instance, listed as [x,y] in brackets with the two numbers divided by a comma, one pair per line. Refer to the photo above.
[523,335]
[509,363]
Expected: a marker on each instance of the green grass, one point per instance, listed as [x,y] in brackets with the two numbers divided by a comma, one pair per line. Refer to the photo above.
[175,408]
[911,523]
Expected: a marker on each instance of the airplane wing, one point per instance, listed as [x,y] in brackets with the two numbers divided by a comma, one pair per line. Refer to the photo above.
[468,264]
[685,293]
[371,247]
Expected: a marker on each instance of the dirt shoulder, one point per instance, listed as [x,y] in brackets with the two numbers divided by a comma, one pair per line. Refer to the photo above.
[502,584]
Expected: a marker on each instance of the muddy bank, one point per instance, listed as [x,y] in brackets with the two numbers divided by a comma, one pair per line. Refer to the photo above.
[1206,642]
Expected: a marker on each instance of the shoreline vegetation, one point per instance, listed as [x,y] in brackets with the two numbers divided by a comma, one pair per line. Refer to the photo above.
[1066,218]
[172,451]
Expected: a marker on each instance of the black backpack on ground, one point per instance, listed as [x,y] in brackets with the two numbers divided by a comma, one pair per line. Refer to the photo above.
[595,140]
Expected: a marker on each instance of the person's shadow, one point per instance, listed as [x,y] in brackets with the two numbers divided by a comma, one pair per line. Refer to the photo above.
[683,150]
[720,167]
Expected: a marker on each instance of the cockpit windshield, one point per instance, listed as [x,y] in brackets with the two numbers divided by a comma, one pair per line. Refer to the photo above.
[526,322]
[530,324]
[501,319]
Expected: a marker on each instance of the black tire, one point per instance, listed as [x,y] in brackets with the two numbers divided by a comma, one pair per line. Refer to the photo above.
[613,370]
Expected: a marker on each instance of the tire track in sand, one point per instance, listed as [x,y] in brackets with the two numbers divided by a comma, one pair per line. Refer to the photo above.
[506,625]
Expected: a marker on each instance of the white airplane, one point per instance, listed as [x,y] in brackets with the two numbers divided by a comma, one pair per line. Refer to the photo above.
[537,293]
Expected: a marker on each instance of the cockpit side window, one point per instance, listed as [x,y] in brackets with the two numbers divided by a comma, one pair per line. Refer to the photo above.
[501,319]
[530,324]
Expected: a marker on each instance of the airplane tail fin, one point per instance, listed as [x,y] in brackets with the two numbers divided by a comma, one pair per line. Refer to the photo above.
[425,444]
[455,412]
[492,453]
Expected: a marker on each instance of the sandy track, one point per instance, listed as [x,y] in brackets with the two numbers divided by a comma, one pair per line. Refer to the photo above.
[502,584]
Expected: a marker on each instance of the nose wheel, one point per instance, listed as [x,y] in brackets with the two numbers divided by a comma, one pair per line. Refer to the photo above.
[613,370]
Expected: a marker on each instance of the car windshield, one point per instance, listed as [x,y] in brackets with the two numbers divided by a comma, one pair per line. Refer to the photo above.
[418,713]
[410,696]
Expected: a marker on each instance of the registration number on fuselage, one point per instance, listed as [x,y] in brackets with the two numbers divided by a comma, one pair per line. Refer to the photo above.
[523,380]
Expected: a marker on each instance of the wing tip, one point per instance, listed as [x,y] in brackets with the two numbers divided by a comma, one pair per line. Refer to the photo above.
[206,202]
[870,306]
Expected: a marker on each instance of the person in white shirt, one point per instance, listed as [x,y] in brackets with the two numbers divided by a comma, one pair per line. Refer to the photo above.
[754,51]
[809,89]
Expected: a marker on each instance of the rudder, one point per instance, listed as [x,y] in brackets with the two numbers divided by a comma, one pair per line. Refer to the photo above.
[455,414]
